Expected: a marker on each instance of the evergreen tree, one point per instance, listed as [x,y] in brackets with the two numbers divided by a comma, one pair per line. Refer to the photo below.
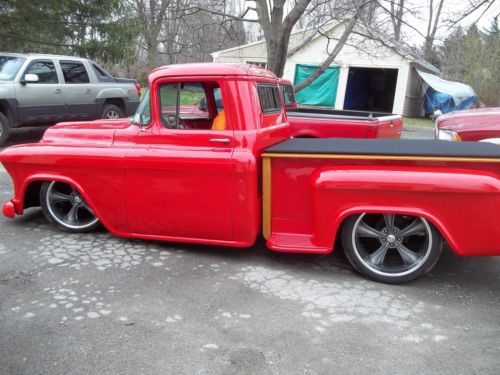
[98,29]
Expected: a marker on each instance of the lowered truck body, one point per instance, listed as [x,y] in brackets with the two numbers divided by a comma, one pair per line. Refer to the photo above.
[172,175]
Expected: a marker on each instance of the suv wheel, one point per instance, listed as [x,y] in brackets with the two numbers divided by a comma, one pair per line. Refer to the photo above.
[111,111]
[4,128]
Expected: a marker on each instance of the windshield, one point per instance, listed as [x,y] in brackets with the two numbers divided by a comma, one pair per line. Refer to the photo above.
[143,114]
[9,66]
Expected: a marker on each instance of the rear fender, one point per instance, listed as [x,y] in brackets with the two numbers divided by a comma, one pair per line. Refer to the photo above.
[462,204]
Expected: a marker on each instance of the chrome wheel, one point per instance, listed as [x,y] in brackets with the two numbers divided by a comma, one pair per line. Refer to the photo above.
[111,115]
[66,207]
[390,247]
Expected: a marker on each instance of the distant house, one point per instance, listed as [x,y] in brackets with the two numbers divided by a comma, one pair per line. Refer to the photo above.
[370,74]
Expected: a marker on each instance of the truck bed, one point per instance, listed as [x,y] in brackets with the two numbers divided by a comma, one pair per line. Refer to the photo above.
[338,114]
[311,185]
[329,123]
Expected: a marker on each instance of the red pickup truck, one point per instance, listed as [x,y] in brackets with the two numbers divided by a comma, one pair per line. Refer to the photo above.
[225,176]
[328,123]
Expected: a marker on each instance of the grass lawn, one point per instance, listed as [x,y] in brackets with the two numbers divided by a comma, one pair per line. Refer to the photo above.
[418,121]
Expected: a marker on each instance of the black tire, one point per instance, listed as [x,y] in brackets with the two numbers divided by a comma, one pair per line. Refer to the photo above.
[111,111]
[4,128]
[64,207]
[391,253]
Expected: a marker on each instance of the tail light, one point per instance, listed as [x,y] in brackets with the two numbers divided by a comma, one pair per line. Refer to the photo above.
[138,88]
[371,132]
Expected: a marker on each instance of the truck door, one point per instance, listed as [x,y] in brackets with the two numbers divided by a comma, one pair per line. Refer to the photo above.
[79,94]
[179,172]
[41,101]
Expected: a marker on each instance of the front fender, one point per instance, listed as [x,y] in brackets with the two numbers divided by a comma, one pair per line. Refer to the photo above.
[462,204]
[96,172]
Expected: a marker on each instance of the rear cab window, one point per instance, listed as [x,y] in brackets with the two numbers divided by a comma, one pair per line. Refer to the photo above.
[272,111]
[74,72]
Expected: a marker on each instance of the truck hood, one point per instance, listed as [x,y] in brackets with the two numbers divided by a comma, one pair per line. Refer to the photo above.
[99,132]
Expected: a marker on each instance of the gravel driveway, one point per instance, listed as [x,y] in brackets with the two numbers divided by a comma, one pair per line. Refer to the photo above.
[97,304]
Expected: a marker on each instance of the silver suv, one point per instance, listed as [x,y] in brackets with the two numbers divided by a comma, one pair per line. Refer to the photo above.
[46,89]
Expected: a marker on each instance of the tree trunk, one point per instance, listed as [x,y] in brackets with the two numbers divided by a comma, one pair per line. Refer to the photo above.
[331,58]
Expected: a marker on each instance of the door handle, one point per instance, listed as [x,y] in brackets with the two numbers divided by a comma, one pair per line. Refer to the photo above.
[58,91]
[220,140]
[88,91]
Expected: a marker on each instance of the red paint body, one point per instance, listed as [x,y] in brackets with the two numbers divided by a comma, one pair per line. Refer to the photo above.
[180,185]
[473,124]
[339,124]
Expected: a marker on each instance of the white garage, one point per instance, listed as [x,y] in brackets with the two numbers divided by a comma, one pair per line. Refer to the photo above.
[369,74]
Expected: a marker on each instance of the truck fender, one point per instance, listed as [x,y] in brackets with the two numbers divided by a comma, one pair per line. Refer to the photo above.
[111,93]
[39,177]
[446,197]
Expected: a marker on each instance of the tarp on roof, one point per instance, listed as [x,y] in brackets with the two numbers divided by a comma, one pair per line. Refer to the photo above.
[446,96]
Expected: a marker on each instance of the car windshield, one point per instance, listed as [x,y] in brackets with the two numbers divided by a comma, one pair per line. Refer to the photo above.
[9,66]
[143,114]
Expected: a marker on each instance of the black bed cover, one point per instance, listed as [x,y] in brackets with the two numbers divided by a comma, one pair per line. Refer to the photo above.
[390,147]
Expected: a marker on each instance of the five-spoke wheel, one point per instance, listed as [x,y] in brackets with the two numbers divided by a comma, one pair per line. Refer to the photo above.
[66,208]
[391,248]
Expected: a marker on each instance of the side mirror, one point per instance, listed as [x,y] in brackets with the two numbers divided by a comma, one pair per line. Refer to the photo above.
[30,78]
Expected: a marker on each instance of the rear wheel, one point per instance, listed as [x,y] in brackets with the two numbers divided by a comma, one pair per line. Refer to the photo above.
[65,207]
[111,111]
[4,128]
[391,248]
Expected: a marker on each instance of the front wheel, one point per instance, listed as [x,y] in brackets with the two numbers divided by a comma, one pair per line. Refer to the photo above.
[391,248]
[4,128]
[63,206]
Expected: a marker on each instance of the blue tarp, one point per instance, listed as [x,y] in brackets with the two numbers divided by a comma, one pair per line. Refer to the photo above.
[446,96]
[444,102]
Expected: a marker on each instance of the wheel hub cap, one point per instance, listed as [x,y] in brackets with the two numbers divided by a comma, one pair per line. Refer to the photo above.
[391,238]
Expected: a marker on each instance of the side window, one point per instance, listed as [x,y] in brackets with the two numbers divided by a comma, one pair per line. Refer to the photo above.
[287,91]
[74,72]
[269,98]
[45,70]
[102,75]
[184,105]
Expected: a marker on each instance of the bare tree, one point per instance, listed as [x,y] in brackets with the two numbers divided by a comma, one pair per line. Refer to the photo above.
[397,10]
[152,16]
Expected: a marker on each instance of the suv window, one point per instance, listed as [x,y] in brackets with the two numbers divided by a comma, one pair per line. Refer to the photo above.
[74,72]
[102,75]
[45,70]
[269,98]
[9,66]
